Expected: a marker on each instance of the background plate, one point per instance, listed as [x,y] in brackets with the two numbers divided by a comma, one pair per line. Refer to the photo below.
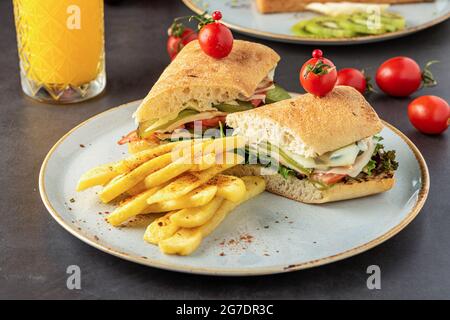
[242,16]
[268,234]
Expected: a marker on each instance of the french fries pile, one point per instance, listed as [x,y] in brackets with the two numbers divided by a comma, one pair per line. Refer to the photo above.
[182,179]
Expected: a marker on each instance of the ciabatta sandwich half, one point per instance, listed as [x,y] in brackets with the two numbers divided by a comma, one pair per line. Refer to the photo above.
[316,150]
[198,89]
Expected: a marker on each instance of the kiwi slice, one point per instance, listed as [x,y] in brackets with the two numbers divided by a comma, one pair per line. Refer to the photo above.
[365,23]
[328,27]
[348,25]
[298,29]
[393,19]
[361,23]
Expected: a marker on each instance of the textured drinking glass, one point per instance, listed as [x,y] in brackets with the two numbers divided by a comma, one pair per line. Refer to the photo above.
[61,49]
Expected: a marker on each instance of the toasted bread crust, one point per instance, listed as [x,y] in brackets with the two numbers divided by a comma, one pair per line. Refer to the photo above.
[272,6]
[322,123]
[304,191]
[193,75]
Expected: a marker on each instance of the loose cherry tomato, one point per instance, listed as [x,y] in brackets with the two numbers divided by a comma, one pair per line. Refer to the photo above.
[353,78]
[318,75]
[215,39]
[177,41]
[401,76]
[429,114]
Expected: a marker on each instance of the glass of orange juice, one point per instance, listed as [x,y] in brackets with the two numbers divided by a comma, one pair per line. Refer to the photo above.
[61,49]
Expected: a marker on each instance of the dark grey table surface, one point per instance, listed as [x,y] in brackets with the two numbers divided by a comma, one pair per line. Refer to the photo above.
[35,251]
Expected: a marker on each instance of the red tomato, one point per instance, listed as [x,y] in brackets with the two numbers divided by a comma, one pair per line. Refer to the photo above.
[208,123]
[353,78]
[216,15]
[256,102]
[216,40]
[318,75]
[214,122]
[327,178]
[175,44]
[399,76]
[429,114]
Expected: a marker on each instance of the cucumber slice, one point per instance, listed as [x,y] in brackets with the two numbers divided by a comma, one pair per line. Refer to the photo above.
[287,159]
[276,94]
[231,108]
[144,133]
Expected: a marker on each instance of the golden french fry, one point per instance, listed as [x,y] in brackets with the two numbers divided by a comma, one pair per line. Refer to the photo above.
[183,160]
[132,178]
[209,151]
[205,162]
[160,229]
[115,179]
[96,176]
[179,166]
[254,186]
[167,173]
[195,198]
[136,159]
[194,217]
[229,187]
[188,181]
[139,188]
[222,145]
[202,152]
[208,146]
[185,241]
[130,209]
[105,173]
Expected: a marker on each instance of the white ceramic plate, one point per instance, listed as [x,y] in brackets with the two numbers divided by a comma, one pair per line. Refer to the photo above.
[242,16]
[268,234]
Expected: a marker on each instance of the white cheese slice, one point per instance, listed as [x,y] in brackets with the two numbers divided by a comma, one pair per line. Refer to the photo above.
[341,157]
[358,166]
[333,9]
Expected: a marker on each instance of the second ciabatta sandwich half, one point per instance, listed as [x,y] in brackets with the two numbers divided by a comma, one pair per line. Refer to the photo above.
[272,6]
[316,149]
[196,89]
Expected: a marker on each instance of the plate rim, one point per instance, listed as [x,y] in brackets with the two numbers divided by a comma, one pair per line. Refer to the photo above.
[422,196]
[302,40]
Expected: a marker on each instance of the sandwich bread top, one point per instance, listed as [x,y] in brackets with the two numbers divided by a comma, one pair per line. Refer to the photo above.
[310,125]
[195,80]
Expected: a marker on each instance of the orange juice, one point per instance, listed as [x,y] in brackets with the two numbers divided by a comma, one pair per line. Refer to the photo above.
[61,43]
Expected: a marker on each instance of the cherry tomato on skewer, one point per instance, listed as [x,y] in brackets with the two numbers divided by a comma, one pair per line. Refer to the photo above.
[318,75]
[215,39]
